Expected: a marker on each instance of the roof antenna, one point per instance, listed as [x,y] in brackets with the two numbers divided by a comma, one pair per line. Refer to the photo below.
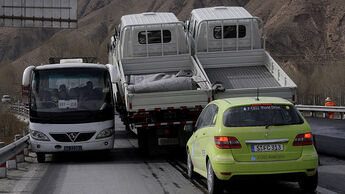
[257,94]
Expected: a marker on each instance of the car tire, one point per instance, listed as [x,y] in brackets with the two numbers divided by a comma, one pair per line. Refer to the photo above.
[213,183]
[309,183]
[41,157]
[190,167]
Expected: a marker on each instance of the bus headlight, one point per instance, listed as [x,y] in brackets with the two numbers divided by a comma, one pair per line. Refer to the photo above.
[105,133]
[38,136]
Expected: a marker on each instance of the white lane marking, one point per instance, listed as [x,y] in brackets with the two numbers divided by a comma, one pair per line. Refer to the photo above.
[324,190]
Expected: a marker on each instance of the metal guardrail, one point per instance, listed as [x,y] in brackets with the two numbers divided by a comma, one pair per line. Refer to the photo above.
[20,109]
[13,149]
[324,109]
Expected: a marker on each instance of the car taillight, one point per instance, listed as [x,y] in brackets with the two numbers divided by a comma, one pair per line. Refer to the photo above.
[303,139]
[223,142]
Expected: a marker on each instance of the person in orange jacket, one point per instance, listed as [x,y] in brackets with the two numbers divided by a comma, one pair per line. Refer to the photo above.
[329,102]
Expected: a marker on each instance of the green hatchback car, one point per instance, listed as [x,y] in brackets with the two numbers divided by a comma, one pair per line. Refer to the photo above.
[240,138]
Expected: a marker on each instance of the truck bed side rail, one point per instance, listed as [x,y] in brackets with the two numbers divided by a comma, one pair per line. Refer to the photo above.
[287,93]
[278,73]
[167,100]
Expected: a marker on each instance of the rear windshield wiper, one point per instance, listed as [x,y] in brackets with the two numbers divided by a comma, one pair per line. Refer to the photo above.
[269,123]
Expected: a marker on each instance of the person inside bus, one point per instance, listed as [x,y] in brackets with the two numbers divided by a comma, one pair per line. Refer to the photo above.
[63,95]
[88,92]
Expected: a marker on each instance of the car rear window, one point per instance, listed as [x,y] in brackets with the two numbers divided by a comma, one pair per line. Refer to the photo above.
[261,115]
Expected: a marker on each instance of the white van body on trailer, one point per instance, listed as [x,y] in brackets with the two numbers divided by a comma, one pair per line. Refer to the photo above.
[230,46]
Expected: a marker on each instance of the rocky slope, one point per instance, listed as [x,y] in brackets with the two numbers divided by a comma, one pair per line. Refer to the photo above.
[303,35]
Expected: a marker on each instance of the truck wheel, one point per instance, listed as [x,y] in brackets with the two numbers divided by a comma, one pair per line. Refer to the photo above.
[213,183]
[41,157]
[190,167]
[128,128]
[309,183]
[142,142]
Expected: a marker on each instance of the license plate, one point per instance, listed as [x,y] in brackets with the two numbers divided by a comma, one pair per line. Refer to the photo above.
[73,148]
[267,148]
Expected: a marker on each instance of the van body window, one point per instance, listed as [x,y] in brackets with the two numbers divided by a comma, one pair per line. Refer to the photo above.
[229,31]
[154,36]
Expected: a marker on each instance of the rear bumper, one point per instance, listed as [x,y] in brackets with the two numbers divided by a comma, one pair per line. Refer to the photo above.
[52,147]
[291,170]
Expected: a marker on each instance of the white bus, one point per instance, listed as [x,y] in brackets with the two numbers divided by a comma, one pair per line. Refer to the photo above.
[71,107]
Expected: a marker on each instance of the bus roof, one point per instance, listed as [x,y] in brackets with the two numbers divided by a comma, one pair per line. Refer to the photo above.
[70,65]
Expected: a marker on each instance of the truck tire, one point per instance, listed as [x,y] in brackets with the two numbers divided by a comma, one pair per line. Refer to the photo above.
[128,128]
[41,157]
[142,142]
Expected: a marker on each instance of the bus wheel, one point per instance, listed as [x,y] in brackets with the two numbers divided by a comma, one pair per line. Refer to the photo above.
[41,157]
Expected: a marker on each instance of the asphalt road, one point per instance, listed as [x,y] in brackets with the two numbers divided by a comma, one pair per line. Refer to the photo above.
[122,171]
[329,136]
[125,171]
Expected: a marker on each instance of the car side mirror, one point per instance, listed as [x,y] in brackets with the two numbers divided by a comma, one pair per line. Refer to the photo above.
[189,128]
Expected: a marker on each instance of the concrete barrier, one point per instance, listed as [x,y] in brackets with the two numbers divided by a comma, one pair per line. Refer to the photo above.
[26,151]
[3,170]
[12,163]
[20,157]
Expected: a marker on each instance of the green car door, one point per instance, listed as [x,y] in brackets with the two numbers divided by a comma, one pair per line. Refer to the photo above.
[205,134]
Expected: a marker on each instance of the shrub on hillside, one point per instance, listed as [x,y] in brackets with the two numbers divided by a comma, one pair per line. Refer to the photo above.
[10,125]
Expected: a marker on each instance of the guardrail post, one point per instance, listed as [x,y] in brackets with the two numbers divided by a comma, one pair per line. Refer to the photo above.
[12,163]
[20,157]
[3,170]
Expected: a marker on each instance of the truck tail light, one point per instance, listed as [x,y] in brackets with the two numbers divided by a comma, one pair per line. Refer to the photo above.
[303,139]
[223,142]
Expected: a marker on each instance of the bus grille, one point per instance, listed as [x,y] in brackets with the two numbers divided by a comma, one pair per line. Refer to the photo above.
[63,137]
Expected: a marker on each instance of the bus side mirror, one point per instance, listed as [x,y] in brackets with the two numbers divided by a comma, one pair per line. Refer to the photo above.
[189,128]
[26,84]
[27,76]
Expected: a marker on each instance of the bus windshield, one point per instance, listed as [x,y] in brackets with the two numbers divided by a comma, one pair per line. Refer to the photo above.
[71,90]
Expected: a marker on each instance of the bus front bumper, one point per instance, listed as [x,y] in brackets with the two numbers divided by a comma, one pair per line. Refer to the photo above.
[51,147]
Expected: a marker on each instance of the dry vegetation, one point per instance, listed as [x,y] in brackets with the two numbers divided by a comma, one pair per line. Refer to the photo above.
[322,82]
[9,125]
[305,36]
